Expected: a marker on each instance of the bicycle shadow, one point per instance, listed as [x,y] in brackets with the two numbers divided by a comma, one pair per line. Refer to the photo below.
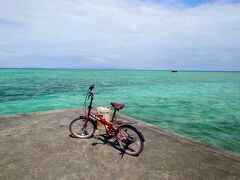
[106,140]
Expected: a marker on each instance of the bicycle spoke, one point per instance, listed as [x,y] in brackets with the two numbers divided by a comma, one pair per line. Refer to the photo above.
[79,131]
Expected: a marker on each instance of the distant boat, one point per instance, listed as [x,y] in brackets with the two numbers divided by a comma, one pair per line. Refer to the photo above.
[174,71]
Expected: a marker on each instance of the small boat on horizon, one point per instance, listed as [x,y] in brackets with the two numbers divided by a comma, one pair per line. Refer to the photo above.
[174,71]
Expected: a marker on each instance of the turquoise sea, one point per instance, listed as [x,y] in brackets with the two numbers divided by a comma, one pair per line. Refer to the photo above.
[202,105]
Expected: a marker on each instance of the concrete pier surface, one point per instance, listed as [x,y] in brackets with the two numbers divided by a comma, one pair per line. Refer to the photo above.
[38,146]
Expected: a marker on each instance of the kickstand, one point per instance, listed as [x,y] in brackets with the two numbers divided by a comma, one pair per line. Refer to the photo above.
[121,148]
[121,153]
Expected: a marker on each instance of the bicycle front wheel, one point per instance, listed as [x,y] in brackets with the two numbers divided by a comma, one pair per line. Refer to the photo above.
[77,130]
[130,140]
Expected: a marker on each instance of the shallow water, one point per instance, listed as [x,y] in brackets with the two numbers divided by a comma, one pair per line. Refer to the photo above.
[202,105]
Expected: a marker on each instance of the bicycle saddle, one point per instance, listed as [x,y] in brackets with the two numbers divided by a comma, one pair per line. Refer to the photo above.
[117,106]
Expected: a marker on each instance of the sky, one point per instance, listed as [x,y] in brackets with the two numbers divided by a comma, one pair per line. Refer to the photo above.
[126,34]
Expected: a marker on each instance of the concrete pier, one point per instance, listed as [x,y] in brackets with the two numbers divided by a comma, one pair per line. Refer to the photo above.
[38,146]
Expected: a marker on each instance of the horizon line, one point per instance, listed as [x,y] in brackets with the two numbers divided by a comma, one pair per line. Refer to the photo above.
[123,69]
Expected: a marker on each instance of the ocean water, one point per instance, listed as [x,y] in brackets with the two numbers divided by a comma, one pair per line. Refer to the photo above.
[201,105]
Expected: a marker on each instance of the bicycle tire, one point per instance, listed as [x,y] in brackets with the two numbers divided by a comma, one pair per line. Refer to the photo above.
[76,125]
[122,131]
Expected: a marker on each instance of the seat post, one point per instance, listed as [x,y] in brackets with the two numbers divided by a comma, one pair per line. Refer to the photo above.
[114,113]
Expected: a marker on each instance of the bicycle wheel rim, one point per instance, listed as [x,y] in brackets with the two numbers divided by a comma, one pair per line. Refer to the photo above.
[130,141]
[76,128]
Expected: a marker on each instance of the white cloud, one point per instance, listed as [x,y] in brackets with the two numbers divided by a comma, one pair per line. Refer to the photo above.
[126,33]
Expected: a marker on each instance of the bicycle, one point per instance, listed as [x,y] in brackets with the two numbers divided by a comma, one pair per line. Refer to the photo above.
[129,138]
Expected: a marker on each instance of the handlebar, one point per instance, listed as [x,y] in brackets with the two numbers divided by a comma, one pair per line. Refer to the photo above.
[90,93]
[91,87]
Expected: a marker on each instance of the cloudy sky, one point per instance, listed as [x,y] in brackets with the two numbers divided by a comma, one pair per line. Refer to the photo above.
[139,34]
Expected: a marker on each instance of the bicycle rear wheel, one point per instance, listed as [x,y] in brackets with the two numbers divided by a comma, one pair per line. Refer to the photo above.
[130,140]
[77,130]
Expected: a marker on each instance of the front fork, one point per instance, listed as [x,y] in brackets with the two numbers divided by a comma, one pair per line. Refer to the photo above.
[85,124]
